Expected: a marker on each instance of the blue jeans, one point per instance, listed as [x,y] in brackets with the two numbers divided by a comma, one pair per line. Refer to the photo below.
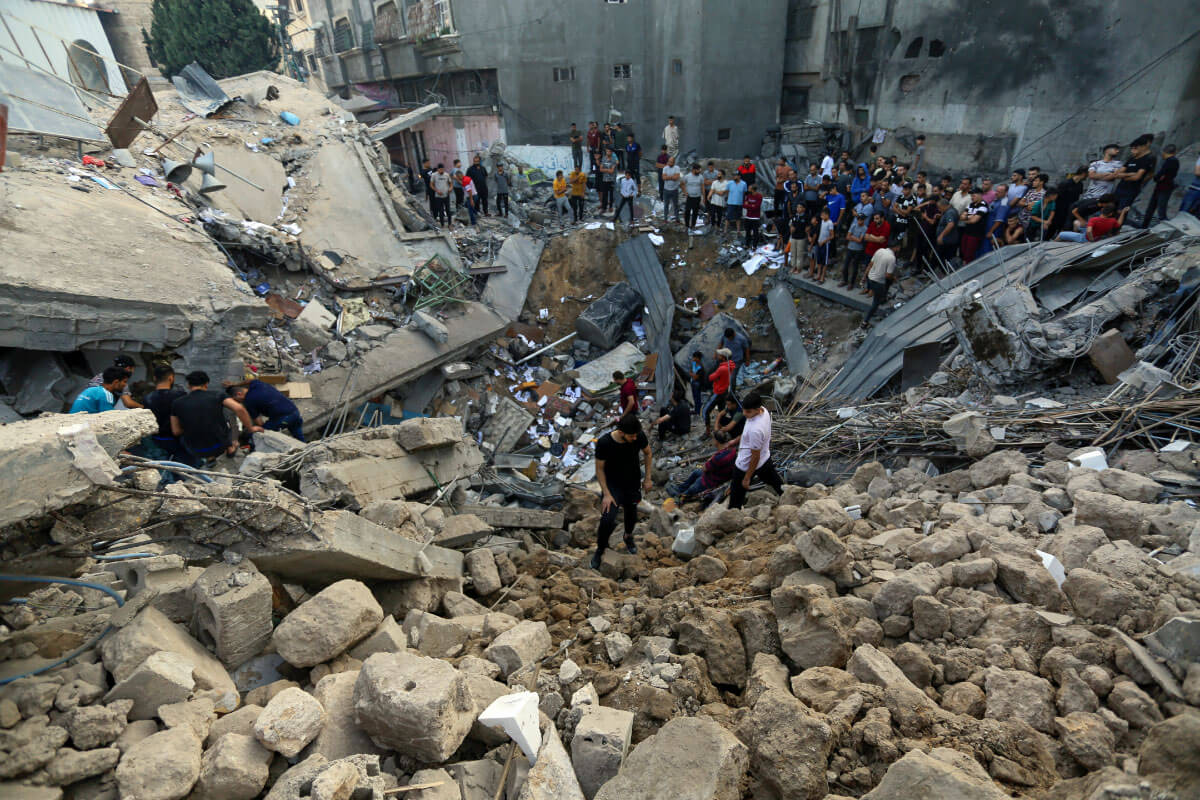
[1072,236]
[696,392]
[293,422]
[1191,201]
[690,485]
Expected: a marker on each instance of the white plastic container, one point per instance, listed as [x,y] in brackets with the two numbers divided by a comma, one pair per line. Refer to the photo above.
[517,715]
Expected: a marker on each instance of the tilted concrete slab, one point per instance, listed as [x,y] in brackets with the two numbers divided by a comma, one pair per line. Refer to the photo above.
[362,481]
[345,545]
[404,356]
[37,468]
[783,312]
[499,517]
[68,281]
[505,291]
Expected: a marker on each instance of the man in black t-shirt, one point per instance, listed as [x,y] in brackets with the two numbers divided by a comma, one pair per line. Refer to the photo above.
[160,401]
[198,419]
[1138,169]
[617,470]
[676,418]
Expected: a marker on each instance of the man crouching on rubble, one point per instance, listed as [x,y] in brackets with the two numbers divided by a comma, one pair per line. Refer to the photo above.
[618,473]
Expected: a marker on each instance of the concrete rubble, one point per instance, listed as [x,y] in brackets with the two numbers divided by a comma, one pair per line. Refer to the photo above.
[958,593]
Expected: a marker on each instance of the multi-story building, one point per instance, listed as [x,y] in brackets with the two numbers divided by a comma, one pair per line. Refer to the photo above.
[525,69]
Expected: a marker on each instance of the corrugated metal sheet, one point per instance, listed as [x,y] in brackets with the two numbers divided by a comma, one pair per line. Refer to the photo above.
[640,262]
[37,103]
[198,92]
[41,33]
[881,355]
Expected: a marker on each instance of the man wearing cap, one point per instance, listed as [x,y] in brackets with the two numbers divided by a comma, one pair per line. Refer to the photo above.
[124,398]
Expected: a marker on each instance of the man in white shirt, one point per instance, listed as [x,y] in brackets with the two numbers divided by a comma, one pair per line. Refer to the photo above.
[1102,174]
[671,138]
[880,274]
[754,452]
[628,189]
[827,165]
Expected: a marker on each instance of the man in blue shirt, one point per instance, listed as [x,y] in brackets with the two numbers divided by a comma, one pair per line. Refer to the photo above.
[95,399]
[633,158]
[261,400]
[836,204]
[733,200]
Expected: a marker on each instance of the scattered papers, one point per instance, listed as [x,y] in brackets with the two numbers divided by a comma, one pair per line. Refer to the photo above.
[740,304]
[656,240]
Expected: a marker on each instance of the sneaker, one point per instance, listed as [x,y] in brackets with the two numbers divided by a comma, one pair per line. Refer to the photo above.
[630,546]
[596,560]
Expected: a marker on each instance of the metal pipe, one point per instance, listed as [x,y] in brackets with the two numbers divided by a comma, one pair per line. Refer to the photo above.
[547,347]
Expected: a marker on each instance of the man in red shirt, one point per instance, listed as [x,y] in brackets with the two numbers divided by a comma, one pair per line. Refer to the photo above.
[752,215]
[721,377]
[876,237]
[746,170]
[593,144]
[1106,224]
[628,394]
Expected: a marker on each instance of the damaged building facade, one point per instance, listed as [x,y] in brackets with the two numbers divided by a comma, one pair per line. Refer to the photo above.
[634,63]
[1026,85]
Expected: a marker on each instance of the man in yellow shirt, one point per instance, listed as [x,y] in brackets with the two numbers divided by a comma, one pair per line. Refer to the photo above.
[560,194]
[578,181]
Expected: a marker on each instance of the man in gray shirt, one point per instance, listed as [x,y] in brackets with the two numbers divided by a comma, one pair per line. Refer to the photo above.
[670,177]
[856,254]
[739,346]
[501,190]
[693,189]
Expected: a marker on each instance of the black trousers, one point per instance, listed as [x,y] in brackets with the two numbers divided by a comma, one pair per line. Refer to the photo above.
[577,158]
[501,204]
[878,297]
[440,208]
[626,498]
[691,211]
[605,190]
[621,204]
[1158,203]
[765,473]
[751,232]
[483,202]
[459,197]
[577,207]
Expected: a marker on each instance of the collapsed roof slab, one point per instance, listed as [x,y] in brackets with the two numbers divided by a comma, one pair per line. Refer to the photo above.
[99,269]
[405,355]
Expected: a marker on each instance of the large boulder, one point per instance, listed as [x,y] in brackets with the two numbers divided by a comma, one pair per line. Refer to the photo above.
[943,773]
[1014,694]
[415,705]
[690,758]
[164,766]
[1116,516]
[519,647]
[895,597]
[291,720]
[235,768]
[710,632]
[789,746]
[811,632]
[340,736]
[328,624]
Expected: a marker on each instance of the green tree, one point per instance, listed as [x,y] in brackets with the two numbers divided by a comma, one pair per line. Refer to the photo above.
[226,37]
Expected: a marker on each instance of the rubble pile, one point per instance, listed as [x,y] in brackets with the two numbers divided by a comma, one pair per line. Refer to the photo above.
[333,624]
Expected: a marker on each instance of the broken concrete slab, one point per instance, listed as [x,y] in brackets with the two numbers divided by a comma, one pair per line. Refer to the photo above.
[343,544]
[690,758]
[328,624]
[233,611]
[707,340]
[363,481]
[595,377]
[340,736]
[37,466]
[552,777]
[506,291]
[601,741]
[426,433]
[783,313]
[507,425]
[164,677]
[511,517]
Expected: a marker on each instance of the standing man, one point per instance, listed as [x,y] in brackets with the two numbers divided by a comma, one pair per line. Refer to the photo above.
[633,158]
[471,193]
[718,190]
[1136,171]
[457,176]
[426,171]
[618,472]
[659,164]
[607,179]
[198,419]
[103,396]
[560,187]
[710,174]
[880,275]
[735,195]
[693,190]
[738,345]
[479,177]
[440,202]
[593,145]
[1104,174]
[855,254]
[782,170]
[627,394]
[753,452]
[501,191]
[827,166]
[160,401]
[629,190]
[947,231]
[747,169]
[671,177]
[919,155]
[671,138]
[752,215]
[578,181]
[1164,184]
[975,227]
[575,137]
[721,378]
[618,137]
[263,401]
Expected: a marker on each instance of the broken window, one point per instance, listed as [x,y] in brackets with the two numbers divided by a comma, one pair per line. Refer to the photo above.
[937,48]
[389,24]
[343,36]
[724,134]
[622,72]
[794,104]
[564,74]
[801,14]
[914,47]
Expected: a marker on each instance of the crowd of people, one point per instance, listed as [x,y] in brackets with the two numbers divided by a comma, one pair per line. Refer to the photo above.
[197,424]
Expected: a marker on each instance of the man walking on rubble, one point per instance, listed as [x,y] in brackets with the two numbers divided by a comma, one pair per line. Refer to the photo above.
[457,176]
[629,190]
[618,472]
[578,181]
[102,397]
[262,400]
[479,177]
[753,452]
[501,191]
[693,189]
[198,419]
[671,138]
